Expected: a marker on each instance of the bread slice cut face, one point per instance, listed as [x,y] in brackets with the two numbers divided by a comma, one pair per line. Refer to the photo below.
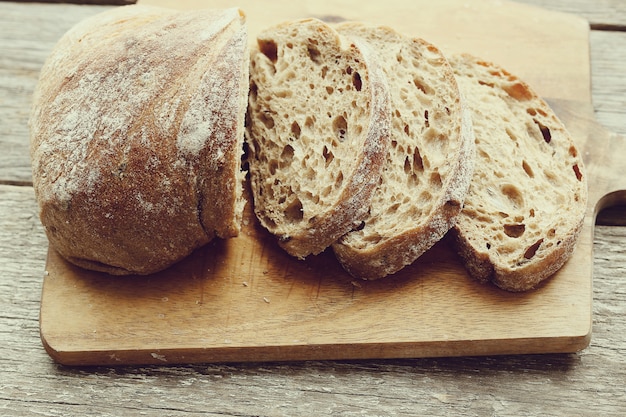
[528,196]
[317,129]
[429,162]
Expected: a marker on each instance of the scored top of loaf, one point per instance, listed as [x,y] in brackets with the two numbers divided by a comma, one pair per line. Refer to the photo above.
[318,129]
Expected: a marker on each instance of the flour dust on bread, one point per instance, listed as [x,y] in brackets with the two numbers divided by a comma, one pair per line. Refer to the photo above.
[428,164]
[528,196]
[137,136]
[318,129]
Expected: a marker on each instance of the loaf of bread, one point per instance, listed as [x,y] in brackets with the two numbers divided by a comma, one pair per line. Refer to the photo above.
[137,136]
[528,196]
[318,129]
[428,165]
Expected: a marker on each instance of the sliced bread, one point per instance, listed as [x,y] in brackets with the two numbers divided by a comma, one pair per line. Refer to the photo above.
[528,196]
[317,130]
[428,165]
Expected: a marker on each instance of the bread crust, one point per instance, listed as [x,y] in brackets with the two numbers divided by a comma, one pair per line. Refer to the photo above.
[136,136]
[547,171]
[368,260]
[318,230]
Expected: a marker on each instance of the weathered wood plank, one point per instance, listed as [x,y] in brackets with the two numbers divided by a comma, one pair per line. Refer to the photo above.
[584,384]
[605,14]
[22,53]
[608,83]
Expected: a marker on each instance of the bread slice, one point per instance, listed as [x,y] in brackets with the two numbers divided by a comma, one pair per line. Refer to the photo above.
[137,136]
[428,165]
[318,129]
[528,196]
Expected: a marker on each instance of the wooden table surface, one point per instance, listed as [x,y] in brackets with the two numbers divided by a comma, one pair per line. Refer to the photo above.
[588,383]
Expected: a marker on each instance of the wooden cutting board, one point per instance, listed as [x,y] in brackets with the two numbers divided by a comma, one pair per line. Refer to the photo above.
[246,300]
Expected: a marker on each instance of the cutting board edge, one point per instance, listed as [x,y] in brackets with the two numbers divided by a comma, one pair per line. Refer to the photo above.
[562,344]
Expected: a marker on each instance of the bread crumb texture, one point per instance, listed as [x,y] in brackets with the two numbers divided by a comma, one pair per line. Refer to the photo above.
[428,164]
[138,111]
[528,196]
[318,126]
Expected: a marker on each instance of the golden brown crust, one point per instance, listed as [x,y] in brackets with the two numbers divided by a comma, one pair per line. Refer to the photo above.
[137,114]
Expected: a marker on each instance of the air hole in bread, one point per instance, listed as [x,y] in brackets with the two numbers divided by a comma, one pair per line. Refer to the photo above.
[273,167]
[339,180]
[435,179]
[309,122]
[392,209]
[286,155]
[295,129]
[426,121]
[420,86]
[324,71]
[579,174]
[573,152]
[514,230]
[293,212]
[406,130]
[513,194]
[534,112]
[407,165]
[267,120]
[486,84]
[528,170]
[511,134]
[532,249]
[518,91]
[269,49]
[328,156]
[313,52]
[545,131]
[340,127]
[253,91]
[329,90]
[356,81]
[418,162]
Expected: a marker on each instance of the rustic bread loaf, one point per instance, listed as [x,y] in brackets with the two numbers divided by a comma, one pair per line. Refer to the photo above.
[428,165]
[528,196]
[137,136]
[318,129]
